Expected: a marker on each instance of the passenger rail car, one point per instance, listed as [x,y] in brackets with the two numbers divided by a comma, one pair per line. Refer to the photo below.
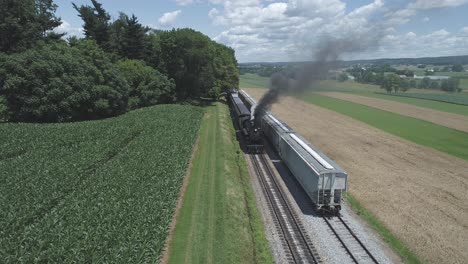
[320,177]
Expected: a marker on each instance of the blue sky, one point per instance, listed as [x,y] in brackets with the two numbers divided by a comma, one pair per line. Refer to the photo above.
[288,30]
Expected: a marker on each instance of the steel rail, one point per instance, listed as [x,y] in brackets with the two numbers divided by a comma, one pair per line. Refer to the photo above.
[343,243]
[298,244]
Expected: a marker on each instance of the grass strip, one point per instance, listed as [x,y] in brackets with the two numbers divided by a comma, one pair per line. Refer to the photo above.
[436,105]
[441,138]
[397,245]
[458,99]
[218,221]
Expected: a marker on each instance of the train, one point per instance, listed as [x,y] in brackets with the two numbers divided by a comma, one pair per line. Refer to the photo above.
[245,120]
[324,181]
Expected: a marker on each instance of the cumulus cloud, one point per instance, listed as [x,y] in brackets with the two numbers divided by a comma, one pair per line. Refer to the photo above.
[168,19]
[290,30]
[315,7]
[437,43]
[69,30]
[430,4]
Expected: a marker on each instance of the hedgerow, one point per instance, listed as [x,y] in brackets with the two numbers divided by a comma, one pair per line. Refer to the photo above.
[95,191]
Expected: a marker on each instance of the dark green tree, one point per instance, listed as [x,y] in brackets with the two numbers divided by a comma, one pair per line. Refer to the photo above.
[450,85]
[342,77]
[425,83]
[391,83]
[57,83]
[96,23]
[198,65]
[404,85]
[457,68]
[46,16]
[147,85]
[23,23]
[134,41]
[434,85]
[117,31]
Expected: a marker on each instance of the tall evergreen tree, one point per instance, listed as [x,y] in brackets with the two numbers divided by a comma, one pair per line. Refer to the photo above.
[19,29]
[96,23]
[134,39]
[45,12]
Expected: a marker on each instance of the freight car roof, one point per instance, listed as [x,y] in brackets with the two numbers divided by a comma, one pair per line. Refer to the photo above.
[319,161]
[279,123]
[312,152]
[243,110]
[247,97]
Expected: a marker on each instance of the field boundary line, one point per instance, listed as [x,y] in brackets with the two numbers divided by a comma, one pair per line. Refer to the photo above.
[167,248]
[446,119]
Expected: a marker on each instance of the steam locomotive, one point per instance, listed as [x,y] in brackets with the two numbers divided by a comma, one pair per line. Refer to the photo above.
[245,119]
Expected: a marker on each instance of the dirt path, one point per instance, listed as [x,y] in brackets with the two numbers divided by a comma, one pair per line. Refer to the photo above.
[420,194]
[451,120]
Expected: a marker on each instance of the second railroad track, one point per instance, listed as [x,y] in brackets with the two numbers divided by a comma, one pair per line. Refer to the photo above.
[296,243]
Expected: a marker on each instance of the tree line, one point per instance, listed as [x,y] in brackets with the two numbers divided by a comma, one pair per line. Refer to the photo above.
[393,80]
[118,66]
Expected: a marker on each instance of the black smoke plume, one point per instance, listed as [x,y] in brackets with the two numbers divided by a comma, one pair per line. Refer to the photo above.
[328,51]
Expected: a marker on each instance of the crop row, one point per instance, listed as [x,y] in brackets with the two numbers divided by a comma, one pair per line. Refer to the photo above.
[99,191]
[446,98]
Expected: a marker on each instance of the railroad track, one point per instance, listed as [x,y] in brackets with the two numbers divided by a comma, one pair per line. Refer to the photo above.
[296,243]
[350,242]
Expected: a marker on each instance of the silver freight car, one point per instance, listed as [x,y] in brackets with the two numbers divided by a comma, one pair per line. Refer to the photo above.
[320,177]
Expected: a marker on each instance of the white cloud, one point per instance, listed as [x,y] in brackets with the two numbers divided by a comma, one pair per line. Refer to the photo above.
[430,4]
[66,28]
[168,19]
[184,2]
[425,19]
[290,30]
[400,17]
[312,8]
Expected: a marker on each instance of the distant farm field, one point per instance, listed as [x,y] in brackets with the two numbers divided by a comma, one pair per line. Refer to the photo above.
[370,90]
[98,191]
[253,81]
[459,98]
[421,132]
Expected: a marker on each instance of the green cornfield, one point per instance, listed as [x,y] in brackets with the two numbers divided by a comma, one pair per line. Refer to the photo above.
[446,98]
[95,191]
